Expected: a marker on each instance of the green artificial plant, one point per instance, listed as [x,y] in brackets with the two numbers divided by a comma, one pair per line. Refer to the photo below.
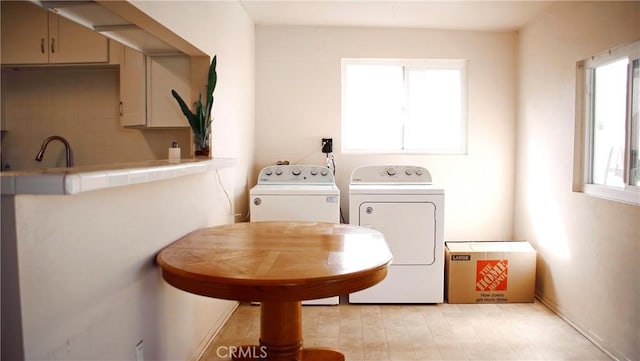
[200,121]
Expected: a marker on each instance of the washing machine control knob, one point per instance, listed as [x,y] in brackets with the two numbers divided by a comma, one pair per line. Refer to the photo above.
[278,171]
[295,171]
[324,172]
[314,171]
[391,171]
[409,171]
[268,172]
[418,171]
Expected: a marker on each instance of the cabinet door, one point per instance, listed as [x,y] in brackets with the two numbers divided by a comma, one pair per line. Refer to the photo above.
[73,43]
[24,33]
[163,74]
[133,110]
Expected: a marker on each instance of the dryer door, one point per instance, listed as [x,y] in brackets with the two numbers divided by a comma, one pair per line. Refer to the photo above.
[408,227]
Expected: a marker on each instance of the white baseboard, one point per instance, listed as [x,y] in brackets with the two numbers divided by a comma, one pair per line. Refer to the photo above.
[222,320]
[555,309]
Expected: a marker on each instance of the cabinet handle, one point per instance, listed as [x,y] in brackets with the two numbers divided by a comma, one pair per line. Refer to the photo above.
[121,108]
[42,45]
[53,45]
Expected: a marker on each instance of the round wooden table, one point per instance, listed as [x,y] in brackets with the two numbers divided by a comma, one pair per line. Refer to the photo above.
[279,264]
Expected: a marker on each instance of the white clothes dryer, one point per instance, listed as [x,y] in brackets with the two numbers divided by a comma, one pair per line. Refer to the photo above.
[296,193]
[403,204]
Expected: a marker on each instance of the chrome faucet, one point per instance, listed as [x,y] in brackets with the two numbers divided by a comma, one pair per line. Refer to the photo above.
[67,149]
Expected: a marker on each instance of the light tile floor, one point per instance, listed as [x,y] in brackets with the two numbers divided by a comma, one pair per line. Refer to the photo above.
[525,331]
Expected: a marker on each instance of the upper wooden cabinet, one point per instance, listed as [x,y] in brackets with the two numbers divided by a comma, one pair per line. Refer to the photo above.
[133,88]
[33,35]
[145,89]
[165,73]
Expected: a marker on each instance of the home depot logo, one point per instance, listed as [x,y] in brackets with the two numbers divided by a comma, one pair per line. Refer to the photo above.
[491,275]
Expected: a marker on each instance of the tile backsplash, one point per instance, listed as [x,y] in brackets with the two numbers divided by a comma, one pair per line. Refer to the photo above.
[81,105]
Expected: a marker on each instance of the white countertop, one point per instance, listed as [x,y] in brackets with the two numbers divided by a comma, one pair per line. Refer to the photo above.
[80,179]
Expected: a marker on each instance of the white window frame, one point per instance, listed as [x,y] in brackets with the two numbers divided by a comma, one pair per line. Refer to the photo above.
[584,127]
[458,64]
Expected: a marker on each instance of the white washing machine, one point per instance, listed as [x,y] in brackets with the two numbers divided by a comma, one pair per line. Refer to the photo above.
[403,204]
[296,193]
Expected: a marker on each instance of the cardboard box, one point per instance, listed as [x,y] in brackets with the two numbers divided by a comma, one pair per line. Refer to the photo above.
[490,272]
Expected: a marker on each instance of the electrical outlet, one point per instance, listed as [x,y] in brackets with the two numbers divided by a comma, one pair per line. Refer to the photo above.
[140,351]
[327,145]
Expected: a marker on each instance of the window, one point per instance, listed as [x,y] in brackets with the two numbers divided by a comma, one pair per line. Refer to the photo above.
[609,110]
[404,106]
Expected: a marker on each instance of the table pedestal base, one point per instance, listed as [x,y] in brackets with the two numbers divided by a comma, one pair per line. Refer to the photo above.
[281,337]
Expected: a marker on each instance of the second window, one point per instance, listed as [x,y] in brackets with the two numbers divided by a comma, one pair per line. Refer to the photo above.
[404,106]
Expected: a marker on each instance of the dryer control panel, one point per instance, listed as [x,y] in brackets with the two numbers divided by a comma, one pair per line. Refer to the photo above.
[296,174]
[391,174]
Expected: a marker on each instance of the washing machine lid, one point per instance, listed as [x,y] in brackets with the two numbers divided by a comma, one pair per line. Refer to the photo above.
[294,189]
[394,189]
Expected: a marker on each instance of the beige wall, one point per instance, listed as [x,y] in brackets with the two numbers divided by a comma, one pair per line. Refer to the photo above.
[80,104]
[298,102]
[589,248]
[222,28]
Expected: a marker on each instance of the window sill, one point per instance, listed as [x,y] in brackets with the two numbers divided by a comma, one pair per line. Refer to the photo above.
[628,196]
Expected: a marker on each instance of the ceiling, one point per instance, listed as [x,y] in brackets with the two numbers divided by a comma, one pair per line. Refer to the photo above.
[459,15]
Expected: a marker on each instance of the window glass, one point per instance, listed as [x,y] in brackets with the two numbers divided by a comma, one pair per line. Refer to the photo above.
[374,107]
[609,117]
[434,109]
[634,157]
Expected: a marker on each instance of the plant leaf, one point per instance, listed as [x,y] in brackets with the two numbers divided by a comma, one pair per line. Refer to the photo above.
[193,121]
[212,80]
[200,113]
